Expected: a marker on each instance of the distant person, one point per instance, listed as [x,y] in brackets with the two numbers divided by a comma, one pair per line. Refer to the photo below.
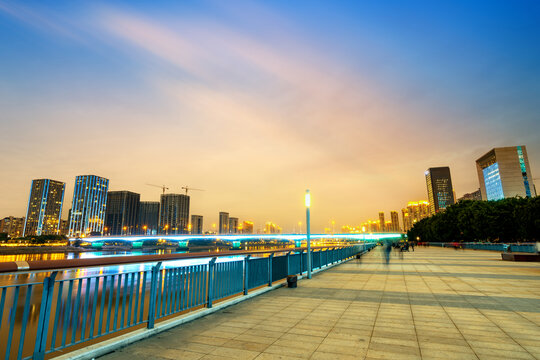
[538,247]
[412,245]
[387,248]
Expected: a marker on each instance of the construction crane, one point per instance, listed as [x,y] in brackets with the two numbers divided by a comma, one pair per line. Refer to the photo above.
[190,188]
[163,187]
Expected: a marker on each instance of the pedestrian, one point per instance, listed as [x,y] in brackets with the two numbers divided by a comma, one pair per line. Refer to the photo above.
[412,245]
[387,249]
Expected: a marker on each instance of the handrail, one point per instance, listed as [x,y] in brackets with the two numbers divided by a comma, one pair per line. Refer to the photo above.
[44,265]
[85,309]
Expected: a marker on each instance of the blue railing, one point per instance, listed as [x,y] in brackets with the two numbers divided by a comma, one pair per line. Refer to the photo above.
[526,248]
[41,318]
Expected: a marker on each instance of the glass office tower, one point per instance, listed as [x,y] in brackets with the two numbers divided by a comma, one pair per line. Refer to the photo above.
[505,172]
[439,188]
[44,208]
[122,214]
[89,205]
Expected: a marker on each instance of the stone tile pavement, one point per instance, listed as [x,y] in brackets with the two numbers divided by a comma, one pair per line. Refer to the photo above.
[432,304]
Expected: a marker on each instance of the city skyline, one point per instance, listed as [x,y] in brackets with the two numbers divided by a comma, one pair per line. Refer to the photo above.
[239,109]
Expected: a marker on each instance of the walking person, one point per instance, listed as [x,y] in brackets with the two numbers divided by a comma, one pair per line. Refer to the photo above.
[387,249]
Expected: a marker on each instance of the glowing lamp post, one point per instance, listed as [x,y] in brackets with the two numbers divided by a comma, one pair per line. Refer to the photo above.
[308,241]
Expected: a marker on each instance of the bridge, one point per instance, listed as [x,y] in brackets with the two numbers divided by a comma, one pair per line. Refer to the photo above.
[233,240]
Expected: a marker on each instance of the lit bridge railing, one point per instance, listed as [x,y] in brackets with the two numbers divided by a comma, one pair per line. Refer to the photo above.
[37,319]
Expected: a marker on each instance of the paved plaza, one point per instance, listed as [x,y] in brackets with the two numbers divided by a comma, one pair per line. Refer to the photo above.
[432,304]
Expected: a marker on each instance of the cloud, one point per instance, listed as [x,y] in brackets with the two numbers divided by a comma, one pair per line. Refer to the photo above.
[44,20]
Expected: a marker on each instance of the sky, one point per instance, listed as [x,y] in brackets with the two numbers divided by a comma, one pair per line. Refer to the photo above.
[254,101]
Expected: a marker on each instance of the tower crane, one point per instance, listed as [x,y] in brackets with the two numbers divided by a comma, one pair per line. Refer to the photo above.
[163,187]
[190,188]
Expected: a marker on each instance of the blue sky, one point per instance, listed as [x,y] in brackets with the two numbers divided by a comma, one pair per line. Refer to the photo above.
[256,101]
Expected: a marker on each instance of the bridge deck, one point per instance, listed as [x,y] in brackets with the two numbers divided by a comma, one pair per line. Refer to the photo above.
[434,304]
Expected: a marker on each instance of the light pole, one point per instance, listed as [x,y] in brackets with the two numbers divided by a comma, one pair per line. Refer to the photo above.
[308,204]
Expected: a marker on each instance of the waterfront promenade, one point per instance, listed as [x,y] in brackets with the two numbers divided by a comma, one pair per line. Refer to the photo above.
[434,304]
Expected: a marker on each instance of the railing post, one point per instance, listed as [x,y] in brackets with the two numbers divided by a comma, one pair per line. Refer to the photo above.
[288,263]
[301,262]
[246,274]
[44,316]
[210,281]
[153,293]
[270,259]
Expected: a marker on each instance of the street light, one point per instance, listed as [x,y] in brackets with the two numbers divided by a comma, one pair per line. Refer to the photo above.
[308,204]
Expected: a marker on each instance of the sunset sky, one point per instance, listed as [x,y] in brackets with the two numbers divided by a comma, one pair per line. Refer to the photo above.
[257,101]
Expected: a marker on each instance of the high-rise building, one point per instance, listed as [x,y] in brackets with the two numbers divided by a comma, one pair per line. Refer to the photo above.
[475,195]
[439,188]
[381,222]
[64,227]
[271,228]
[174,214]
[196,224]
[414,212]
[505,172]
[233,225]
[44,207]
[394,217]
[89,205]
[223,222]
[148,223]
[13,226]
[122,214]
[247,227]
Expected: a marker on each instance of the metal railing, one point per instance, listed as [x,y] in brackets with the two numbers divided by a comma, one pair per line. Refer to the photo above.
[58,314]
[526,248]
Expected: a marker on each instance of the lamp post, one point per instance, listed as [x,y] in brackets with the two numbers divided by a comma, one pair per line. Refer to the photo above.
[308,204]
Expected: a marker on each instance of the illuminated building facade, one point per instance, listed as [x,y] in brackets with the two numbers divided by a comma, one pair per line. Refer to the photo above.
[382,222]
[475,195]
[223,223]
[44,208]
[12,226]
[122,214]
[414,212]
[271,228]
[174,214]
[88,206]
[504,173]
[247,227]
[394,221]
[196,224]
[233,225]
[148,223]
[439,188]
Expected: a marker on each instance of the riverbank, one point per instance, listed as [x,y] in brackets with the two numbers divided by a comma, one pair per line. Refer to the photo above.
[15,250]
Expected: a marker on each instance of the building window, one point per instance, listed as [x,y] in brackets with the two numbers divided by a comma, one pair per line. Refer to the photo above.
[492,180]
[524,171]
